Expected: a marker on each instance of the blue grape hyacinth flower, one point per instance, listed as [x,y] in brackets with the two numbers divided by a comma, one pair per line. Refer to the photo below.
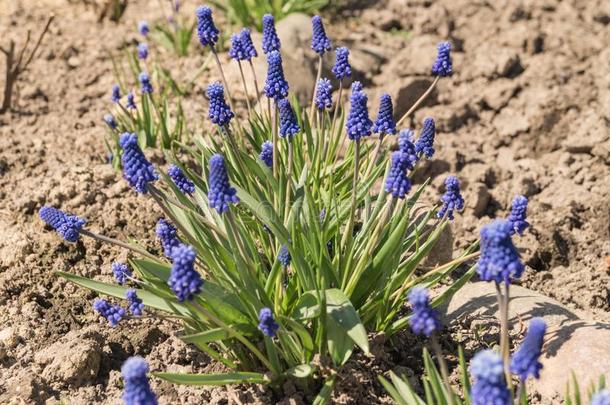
[342,68]
[424,320]
[137,170]
[131,102]
[116,94]
[136,306]
[385,124]
[397,182]
[443,66]
[601,398]
[220,193]
[525,361]
[142,50]
[180,180]
[168,235]
[425,143]
[324,100]
[143,28]
[67,226]
[518,215]
[110,121]
[247,44]
[206,30]
[112,313]
[237,50]
[220,113]
[283,256]
[276,86]
[489,387]
[146,86]
[320,42]
[499,261]
[184,280]
[452,199]
[288,121]
[266,155]
[358,123]
[137,388]
[406,146]
[267,324]
[271,42]
[121,272]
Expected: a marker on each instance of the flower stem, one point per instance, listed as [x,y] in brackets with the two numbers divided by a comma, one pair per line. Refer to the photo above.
[419,101]
[258,93]
[315,89]
[243,80]
[222,75]
[504,338]
[347,236]
[288,180]
[337,105]
[275,130]
[438,353]
[372,162]
[117,242]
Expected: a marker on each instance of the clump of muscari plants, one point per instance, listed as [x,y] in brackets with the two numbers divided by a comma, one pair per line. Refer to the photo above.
[278,251]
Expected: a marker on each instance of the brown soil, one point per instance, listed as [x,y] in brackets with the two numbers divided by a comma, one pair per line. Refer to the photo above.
[525,113]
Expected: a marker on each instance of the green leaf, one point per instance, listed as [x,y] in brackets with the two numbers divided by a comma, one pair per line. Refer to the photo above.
[208,336]
[300,371]
[214,378]
[323,397]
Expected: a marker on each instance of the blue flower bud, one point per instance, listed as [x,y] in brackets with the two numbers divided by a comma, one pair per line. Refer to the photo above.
[525,361]
[442,65]
[385,123]
[324,100]
[137,389]
[184,280]
[180,180]
[145,84]
[266,154]
[142,50]
[220,193]
[112,313]
[271,42]
[267,324]
[424,320]
[121,272]
[276,86]
[358,123]
[220,113]
[137,170]
[67,226]
[320,42]
[398,183]
[425,142]
[206,30]
[288,121]
[342,68]
[143,28]
[499,261]
[452,199]
[136,306]
[518,215]
[168,235]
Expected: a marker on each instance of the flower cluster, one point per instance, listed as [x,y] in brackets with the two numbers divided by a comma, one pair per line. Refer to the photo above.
[323,99]
[342,68]
[499,259]
[131,102]
[116,94]
[220,113]
[137,389]
[320,42]
[601,398]
[137,170]
[452,199]
[397,182]
[67,226]
[266,155]
[110,121]
[358,123]
[271,42]
[288,121]
[425,143]
[518,215]
[168,236]
[136,306]
[112,313]
[267,324]
[206,30]
[424,320]
[487,369]
[406,146]
[220,193]
[180,180]
[276,86]
[145,84]
[184,280]
[242,47]
[142,50]
[442,65]
[143,28]
[385,124]
[524,362]
[121,272]
[283,256]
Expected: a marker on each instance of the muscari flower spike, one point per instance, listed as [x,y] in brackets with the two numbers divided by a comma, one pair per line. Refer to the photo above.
[206,30]
[237,50]
[142,50]
[220,193]
[320,42]
[425,142]
[121,272]
[136,169]
[247,44]
[180,180]
[137,389]
[424,320]
[518,215]
[283,256]
[266,155]
[135,303]
[145,84]
[271,42]
[499,259]
[276,86]
[110,121]
[358,123]
[116,94]
[487,369]
[168,235]
[525,362]
[184,280]
[385,123]
[67,226]
[442,65]
[324,100]
[452,199]
[112,313]
[143,28]
[601,398]
[267,324]
[342,68]
[397,182]
[131,102]
[406,146]
[288,121]
[220,113]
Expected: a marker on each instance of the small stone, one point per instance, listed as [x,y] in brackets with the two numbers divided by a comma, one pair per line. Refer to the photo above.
[477,198]
[9,337]
[405,92]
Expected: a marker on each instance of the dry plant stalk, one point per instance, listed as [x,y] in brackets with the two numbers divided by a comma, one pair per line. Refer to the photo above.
[113,9]
[18,63]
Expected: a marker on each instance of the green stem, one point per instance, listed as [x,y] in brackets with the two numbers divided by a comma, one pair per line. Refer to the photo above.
[222,75]
[243,80]
[315,89]
[288,180]
[438,353]
[347,236]
[258,93]
[275,135]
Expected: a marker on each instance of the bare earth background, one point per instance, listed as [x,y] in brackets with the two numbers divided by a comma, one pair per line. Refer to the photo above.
[527,112]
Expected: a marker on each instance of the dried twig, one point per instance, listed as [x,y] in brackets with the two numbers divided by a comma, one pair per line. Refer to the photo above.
[113,10]
[15,64]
